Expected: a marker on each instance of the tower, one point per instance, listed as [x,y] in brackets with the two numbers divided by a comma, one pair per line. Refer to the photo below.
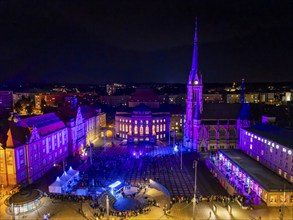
[193,99]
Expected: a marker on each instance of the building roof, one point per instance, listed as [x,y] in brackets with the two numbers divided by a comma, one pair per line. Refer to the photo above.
[45,124]
[67,113]
[269,180]
[277,134]
[144,95]
[220,111]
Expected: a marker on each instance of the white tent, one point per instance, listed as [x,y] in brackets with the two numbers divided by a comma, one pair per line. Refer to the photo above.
[56,187]
[72,172]
[65,178]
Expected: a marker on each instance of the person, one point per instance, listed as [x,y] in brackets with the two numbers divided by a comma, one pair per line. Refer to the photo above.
[210,214]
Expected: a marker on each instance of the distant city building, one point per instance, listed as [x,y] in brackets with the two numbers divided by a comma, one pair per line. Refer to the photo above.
[213,98]
[111,89]
[6,101]
[144,96]
[115,100]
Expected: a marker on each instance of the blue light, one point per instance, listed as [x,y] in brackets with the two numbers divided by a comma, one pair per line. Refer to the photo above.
[176,148]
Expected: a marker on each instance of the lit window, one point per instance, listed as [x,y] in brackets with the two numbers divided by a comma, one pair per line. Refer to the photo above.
[135,129]
[161,128]
[273,144]
[277,146]
[123,127]
[251,147]
[164,127]
[126,128]
[141,130]
[157,128]
[130,129]
[284,150]
[129,121]
[153,129]
[289,152]
[135,122]
[147,122]
[126,121]
[147,131]
[120,127]
[154,121]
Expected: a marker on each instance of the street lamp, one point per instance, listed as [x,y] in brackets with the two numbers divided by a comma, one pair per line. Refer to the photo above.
[194,195]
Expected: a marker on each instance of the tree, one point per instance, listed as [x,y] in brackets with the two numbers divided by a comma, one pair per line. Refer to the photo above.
[43,105]
[29,109]
[18,106]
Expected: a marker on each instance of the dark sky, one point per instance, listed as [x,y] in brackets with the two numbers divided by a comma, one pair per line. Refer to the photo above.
[145,41]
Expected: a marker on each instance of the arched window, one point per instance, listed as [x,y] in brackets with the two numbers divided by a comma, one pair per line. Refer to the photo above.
[153,130]
[164,127]
[212,134]
[147,131]
[126,128]
[222,134]
[135,129]
[123,127]
[157,128]
[141,130]
[130,129]
[232,134]
[161,128]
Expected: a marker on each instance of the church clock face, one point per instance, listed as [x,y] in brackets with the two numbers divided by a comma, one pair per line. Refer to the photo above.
[195,82]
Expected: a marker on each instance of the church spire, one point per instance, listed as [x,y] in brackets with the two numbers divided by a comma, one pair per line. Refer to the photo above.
[194,73]
[194,66]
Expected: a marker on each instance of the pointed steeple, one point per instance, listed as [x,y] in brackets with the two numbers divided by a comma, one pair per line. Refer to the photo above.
[194,73]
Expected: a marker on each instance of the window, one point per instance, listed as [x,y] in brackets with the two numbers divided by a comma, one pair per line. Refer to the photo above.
[130,129]
[157,128]
[141,130]
[135,129]
[147,131]
[153,129]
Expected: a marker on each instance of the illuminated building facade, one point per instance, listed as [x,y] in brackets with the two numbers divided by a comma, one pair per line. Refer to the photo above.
[32,146]
[238,173]
[83,124]
[271,146]
[142,124]
[210,126]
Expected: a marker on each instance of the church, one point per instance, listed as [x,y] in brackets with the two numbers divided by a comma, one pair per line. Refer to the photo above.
[211,126]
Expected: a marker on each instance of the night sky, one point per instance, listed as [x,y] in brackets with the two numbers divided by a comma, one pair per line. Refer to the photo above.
[145,41]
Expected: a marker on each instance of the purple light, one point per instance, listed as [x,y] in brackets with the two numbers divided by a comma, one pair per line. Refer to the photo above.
[134,154]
